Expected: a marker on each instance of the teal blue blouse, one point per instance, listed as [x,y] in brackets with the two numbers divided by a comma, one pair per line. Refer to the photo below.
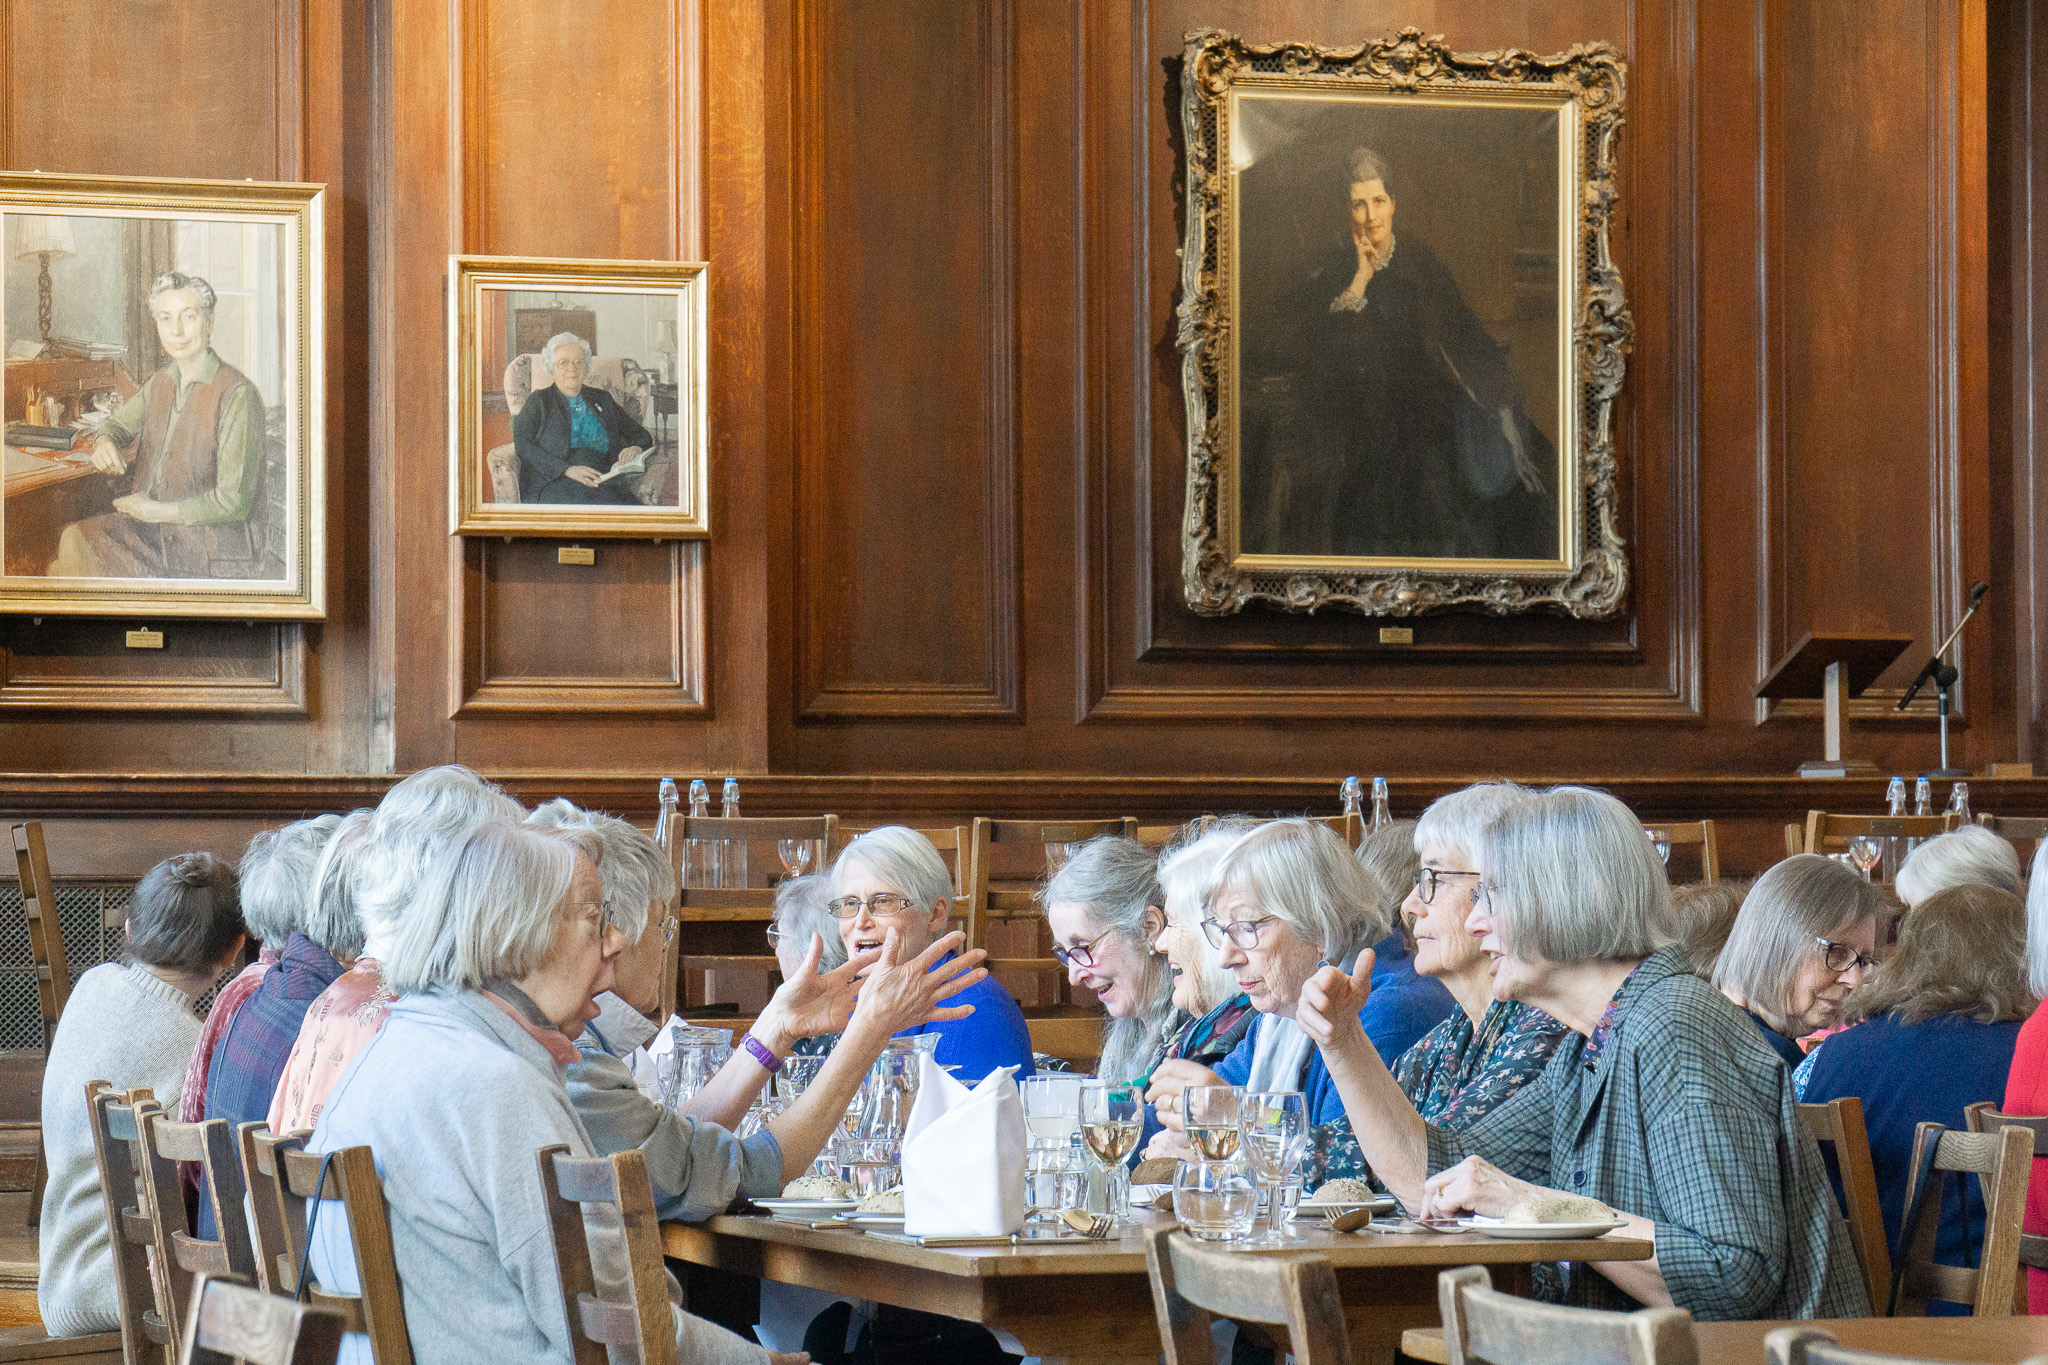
[585,431]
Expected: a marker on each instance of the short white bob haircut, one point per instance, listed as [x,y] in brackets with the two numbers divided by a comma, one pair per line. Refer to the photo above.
[1798,901]
[1457,821]
[1187,867]
[431,805]
[487,908]
[276,871]
[900,858]
[634,868]
[1968,856]
[2037,923]
[551,352]
[1572,879]
[1302,873]
[331,894]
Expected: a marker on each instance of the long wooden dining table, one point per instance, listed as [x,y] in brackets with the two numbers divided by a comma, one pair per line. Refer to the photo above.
[1965,1341]
[1077,1300]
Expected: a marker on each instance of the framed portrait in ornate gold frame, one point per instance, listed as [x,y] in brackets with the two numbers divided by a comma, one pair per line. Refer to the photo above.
[577,394]
[163,398]
[1402,332]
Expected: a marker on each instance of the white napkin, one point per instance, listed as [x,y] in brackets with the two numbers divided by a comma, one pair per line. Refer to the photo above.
[963,1156]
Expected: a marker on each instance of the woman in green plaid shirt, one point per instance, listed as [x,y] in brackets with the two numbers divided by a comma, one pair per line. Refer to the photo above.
[1662,1102]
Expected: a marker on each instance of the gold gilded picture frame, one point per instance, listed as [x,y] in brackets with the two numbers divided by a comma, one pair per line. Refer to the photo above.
[1402,330]
[163,398]
[577,398]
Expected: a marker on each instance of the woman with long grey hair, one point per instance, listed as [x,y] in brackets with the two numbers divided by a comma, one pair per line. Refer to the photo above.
[1104,908]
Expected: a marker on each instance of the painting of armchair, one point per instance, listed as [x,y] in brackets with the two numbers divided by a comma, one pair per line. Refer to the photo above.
[629,384]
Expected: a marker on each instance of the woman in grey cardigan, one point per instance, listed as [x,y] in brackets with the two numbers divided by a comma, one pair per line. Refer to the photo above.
[496,965]
[1662,1102]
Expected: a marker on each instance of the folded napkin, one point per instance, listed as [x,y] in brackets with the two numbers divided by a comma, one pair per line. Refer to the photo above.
[963,1156]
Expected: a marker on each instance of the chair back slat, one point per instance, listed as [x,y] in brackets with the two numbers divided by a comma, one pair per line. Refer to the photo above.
[608,1255]
[1690,832]
[1193,1284]
[1840,1123]
[180,1255]
[1984,1117]
[1483,1325]
[2015,826]
[45,937]
[2001,1161]
[1814,1346]
[354,1191]
[1827,832]
[232,1322]
[276,1248]
[144,1333]
[988,901]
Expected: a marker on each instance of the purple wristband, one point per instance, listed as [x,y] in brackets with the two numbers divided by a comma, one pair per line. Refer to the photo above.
[759,1051]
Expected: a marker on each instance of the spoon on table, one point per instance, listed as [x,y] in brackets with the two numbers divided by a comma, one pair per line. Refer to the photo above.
[1353,1220]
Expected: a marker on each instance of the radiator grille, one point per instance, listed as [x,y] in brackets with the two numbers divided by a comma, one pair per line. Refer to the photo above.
[90,915]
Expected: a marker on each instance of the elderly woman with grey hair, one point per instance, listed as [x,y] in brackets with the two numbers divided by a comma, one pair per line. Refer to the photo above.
[1662,1104]
[1105,909]
[1806,933]
[1284,899]
[499,960]
[892,881]
[570,435]
[1969,856]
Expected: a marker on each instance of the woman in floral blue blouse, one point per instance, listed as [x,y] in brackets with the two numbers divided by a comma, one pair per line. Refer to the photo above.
[1487,1049]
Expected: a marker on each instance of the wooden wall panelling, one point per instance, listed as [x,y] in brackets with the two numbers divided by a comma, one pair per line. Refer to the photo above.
[906,329]
[1872,483]
[238,88]
[2018,202]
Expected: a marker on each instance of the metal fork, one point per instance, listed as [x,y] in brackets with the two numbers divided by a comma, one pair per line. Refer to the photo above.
[1094,1226]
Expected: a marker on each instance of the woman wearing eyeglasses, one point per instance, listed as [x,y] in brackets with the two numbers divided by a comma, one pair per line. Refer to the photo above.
[892,878]
[1662,1104]
[1801,942]
[1104,909]
[1932,1030]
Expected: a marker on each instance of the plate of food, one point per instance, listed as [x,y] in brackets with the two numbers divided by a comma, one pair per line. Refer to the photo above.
[879,1212]
[811,1196]
[1549,1217]
[1342,1196]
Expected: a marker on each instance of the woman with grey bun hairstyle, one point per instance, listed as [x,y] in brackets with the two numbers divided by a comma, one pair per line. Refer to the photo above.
[1105,909]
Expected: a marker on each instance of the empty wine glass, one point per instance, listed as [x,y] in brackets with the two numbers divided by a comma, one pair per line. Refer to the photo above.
[1111,1118]
[1274,1127]
[1866,852]
[1660,844]
[795,855]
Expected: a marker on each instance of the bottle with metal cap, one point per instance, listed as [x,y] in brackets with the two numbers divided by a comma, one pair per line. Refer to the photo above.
[666,802]
[732,854]
[1381,816]
[1351,792]
[1959,803]
[700,856]
[1923,804]
[1894,847]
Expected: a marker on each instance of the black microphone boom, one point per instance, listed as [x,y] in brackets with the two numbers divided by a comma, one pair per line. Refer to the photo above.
[1935,667]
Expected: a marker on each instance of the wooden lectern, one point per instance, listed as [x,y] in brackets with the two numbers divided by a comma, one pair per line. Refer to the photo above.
[1833,668]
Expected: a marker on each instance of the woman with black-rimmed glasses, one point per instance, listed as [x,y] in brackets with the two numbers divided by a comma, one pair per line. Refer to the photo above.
[1806,933]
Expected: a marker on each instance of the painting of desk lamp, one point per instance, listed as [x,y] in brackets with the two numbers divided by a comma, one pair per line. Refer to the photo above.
[43,240]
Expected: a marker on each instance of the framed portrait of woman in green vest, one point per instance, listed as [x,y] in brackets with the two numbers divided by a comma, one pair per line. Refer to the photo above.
[162,398]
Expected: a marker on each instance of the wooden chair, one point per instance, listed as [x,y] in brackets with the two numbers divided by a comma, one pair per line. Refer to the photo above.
[1840,1122]
[145,1337]
[277,1254]
[990,901]
[53,969]
[1687,833]
[180,1255]
[1482,1324]
[608,1255]
[1193,1284]
[378,1309]
[1352,827]
[1073,1038]
[2016,828]
[1826,833]
[2001,1161]
[1812,1346]
[725,924]
[1984,1117]
[232,1322]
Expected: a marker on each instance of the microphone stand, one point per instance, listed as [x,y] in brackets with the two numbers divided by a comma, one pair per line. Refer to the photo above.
[1943,675]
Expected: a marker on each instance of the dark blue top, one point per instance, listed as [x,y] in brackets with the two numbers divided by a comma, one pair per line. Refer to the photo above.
[1402,1008]
[252,1052]
[994,1035]
[1908,1074]
[1788,1048]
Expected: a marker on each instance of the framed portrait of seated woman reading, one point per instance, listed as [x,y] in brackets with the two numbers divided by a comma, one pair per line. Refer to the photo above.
[161,397]
[578,398]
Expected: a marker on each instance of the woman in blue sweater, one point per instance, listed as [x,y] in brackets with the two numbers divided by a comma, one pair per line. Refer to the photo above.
[1938,1021]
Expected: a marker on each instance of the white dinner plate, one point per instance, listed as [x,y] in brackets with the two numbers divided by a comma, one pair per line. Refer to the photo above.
[1308,1209]
[806,1208]
[1539,1232]
[874,1222]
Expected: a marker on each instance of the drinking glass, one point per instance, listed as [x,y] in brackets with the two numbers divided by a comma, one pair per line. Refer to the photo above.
[693,1057]
[1111,1118]
[1865,853]
[1215,1200]
[1211,1118]
[1660,844]
[871,1165]
[796,1076]
[1274,1127]
[795,855]
[1052,1114]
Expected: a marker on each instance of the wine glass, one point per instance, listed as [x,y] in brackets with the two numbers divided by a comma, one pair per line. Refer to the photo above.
[1865,853]
[1211,1119]
[1111,1118]
[795,855]
[1052,1114]
[1274,1126]
[1660,844]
